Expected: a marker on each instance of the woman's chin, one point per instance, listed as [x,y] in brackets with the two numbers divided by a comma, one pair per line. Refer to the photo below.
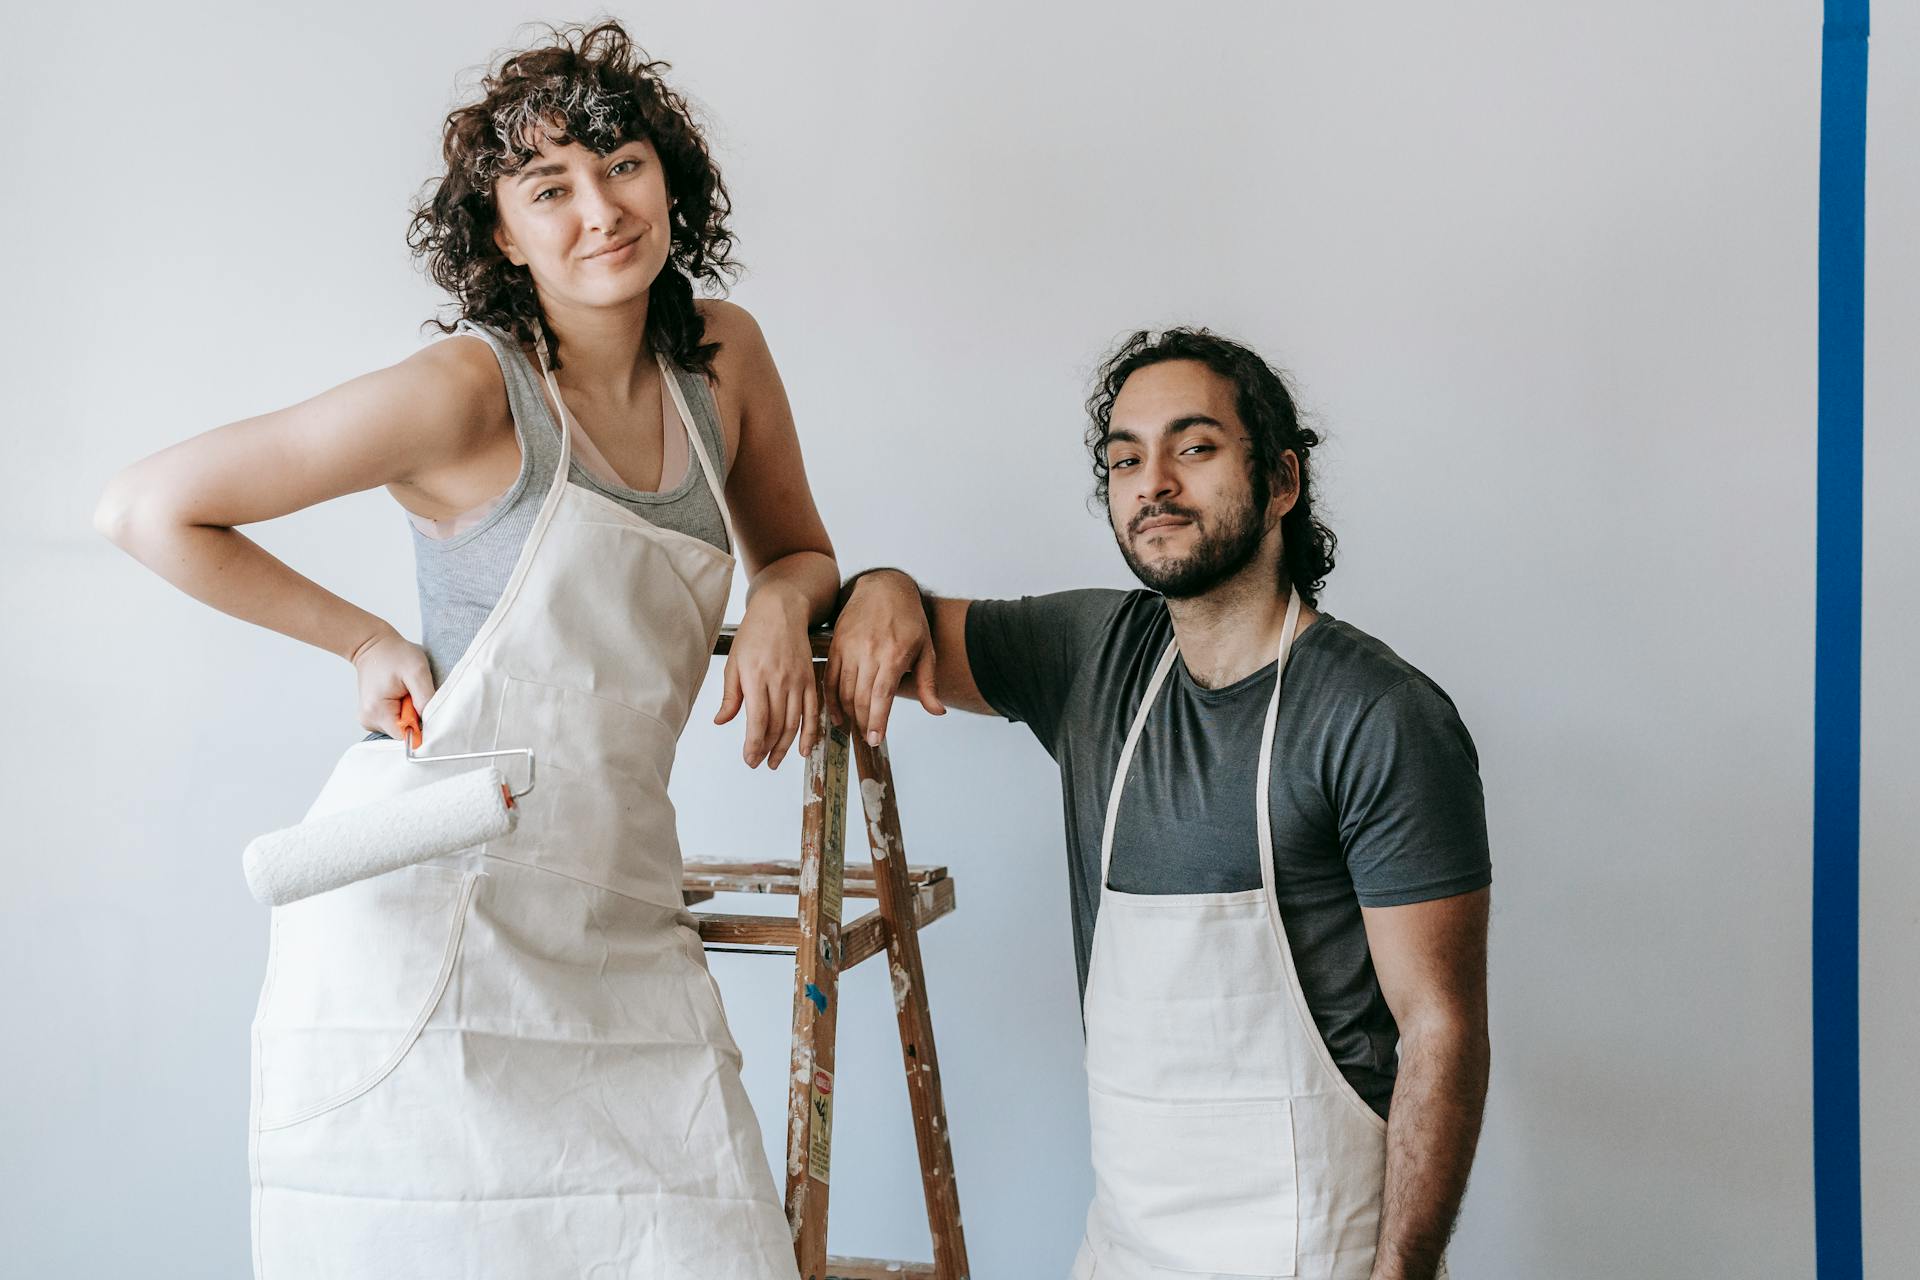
[612,295]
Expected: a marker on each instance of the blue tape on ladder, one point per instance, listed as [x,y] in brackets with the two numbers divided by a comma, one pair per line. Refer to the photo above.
[1836,696]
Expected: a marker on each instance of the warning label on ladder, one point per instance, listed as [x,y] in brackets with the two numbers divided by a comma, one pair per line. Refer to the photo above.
[820,1132]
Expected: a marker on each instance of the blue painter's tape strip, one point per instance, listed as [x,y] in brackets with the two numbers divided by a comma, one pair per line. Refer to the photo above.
[1836,695]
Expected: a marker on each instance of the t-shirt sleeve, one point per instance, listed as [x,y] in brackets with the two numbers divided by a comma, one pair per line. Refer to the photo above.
[1026,653]
[1413,821]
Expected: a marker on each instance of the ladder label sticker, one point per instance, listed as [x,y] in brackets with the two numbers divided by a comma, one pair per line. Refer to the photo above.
[820,1132]
[833,858]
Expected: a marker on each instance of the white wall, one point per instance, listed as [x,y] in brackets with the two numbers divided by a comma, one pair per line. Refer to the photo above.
[1546,275]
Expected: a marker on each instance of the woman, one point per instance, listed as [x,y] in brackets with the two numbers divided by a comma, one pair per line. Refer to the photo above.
[512,1061]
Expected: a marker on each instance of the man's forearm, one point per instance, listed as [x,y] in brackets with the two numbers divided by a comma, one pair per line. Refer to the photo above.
[847,589]
[878,645]
[1433,1127]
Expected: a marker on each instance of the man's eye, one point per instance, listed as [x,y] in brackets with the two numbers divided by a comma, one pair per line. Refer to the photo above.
[1198,448]
[550,191]
[1119,463]
[624,164]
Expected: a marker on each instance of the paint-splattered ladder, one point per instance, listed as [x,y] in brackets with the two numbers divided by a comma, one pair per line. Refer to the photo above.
[908,898]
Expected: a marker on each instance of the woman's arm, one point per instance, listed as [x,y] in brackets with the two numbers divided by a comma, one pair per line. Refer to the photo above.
[791,573]
[176,511]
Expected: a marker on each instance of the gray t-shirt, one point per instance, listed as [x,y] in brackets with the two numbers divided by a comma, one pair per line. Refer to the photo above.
[1375,790]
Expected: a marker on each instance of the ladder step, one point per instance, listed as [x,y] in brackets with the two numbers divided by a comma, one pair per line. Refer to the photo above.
[784,877]
[864,937]
[875,1269]
[821,639]
[867,936]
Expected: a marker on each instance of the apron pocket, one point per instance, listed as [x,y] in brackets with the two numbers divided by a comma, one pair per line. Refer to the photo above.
[582,734]
[599,811]
[352,978]
[1202,1187]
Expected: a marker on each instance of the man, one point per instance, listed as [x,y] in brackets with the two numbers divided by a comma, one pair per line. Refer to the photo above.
[1280,903]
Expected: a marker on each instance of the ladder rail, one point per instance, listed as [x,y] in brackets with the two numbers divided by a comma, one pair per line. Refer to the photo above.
[914,1014]
[907,899]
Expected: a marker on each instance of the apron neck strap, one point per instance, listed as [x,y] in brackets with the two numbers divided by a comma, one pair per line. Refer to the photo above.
[559,406]
[708,471]
[1126,755]
[1263,815]
[1263,787]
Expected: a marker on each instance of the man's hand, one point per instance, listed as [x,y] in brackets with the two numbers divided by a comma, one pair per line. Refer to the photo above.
[880,638]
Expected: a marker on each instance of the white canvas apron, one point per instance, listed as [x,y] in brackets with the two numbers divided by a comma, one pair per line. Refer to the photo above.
[512,1062]
[1225,1140]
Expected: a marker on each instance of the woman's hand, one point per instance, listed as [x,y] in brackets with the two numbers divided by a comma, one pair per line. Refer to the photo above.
[880,636]
[770,672]
[390,669]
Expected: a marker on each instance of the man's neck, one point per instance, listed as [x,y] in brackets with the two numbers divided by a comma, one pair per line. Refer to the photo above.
[603,348]
[1233,630]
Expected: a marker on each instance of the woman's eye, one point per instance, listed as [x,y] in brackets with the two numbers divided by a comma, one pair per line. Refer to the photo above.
[622,167]
[1120,463]
[549,191]
[1198,448]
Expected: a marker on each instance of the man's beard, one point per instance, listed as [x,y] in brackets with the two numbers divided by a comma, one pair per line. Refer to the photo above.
[1219,555]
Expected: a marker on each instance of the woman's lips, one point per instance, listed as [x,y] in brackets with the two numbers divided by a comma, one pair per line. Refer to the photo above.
[616,255]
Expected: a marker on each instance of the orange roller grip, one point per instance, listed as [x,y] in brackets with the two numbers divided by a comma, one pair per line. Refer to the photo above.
[409,720]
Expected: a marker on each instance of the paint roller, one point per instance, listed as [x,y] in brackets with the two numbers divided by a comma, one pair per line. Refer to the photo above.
[385,835]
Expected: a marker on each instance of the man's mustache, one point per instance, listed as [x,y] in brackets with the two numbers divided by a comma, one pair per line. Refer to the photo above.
[1154,513]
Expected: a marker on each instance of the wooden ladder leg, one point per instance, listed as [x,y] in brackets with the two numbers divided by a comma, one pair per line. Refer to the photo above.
[816,997]
[910,1003]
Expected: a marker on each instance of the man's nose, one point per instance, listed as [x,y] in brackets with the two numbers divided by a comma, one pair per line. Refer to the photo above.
[1160,482]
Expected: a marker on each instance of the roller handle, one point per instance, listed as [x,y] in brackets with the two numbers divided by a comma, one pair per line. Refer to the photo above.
[409,721]
[409,724]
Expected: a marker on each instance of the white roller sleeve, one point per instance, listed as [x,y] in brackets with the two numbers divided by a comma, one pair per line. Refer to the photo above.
[373,839]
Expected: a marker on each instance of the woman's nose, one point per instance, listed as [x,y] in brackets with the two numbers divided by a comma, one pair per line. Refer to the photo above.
[597,210]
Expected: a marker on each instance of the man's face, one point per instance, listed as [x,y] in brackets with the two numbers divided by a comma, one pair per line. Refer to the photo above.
[1179,488]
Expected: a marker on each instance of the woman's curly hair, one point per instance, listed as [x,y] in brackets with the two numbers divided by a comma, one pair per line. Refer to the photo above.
[594,86]
[1267,409]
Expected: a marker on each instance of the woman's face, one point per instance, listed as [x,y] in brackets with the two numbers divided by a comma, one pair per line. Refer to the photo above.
[593,230]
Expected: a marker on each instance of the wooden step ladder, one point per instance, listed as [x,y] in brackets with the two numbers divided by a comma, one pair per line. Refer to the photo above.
[908,899]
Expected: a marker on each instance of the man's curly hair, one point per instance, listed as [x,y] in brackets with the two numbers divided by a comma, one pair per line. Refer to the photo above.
[1267,409]
[594,86]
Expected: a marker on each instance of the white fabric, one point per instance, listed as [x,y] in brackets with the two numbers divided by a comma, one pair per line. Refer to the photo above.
[511,1062]
[332,850]
[1225,1140]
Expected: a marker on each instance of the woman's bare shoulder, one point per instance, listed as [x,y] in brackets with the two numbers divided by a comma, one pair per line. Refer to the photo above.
[462,365]
[724,316]
[458,389]
[743,346]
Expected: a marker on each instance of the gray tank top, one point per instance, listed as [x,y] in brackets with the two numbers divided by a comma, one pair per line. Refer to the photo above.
[461,578]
